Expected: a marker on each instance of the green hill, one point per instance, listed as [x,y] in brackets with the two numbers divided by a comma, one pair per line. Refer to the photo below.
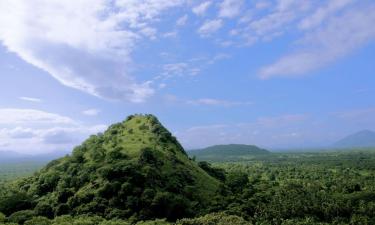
[232,152]
[136,169]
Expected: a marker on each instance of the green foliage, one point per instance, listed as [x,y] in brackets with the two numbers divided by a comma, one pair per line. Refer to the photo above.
[228,153]
[14,201]
[143,174]
[20,217]
[214,219]
[2,217]
[218,173]
[38,221]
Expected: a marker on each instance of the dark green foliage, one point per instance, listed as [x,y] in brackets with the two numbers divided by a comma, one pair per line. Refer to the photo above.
[15,201]
[20,217]
[218,173]
[237,181]
[214,219]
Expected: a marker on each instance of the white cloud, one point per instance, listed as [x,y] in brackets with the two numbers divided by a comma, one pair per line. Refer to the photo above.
[13,116]
[217,102]
[171,34]
[91,112]
[182,20]
[201,9]
[34,131]
[210,26]
[29,99]
[84,44]
[322,13]
[230,8]
[340,36]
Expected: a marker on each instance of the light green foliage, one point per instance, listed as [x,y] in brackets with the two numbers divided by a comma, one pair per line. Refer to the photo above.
[214,219]
[39,220]
[154,222]
[2,217]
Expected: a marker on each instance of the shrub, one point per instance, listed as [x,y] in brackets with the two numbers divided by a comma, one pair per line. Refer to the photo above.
[2,217]
[40,220]
[214,218]
[21,216]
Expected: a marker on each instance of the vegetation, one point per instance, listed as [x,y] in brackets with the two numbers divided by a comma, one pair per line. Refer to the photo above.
[10,171]
[137,173]
[136,170]
[232,152]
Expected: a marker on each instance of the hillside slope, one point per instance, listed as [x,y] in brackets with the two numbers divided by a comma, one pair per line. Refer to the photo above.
[136,169]
[227,152]
[365,138]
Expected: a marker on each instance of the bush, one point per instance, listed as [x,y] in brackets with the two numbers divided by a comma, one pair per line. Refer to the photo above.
[214,218]
[40,220]
[2,217]
[14,202]
[21,216]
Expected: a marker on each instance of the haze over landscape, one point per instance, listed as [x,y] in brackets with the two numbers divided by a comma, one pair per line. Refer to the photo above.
[277,74]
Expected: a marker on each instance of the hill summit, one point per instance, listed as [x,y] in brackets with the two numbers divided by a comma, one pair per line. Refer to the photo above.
[135,169]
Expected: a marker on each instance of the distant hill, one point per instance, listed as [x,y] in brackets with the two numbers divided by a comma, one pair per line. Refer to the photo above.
[229,152]
[365,138]
[135,169]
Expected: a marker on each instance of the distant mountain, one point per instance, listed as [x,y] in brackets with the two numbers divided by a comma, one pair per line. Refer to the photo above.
[227,152]
[365,138]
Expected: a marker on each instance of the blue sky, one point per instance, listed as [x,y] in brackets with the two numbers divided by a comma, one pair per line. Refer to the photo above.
[275,73]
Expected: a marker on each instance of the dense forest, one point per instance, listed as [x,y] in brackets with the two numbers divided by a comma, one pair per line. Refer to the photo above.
[137,173]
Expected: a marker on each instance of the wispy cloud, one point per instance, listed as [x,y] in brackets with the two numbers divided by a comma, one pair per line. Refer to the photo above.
[340,36]
[182,20]
[230,8]
[210,26]
[14,116]
[217,102]
[30,99]
[201,9]
[91,112]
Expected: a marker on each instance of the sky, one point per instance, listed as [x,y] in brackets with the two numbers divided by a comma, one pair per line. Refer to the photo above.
[274,73]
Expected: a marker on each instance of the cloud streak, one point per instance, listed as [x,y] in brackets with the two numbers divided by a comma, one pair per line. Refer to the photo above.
[341,35]
[29,99]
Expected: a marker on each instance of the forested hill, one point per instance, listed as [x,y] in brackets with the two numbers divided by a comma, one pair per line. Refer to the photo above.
[136,169]
[229,152]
